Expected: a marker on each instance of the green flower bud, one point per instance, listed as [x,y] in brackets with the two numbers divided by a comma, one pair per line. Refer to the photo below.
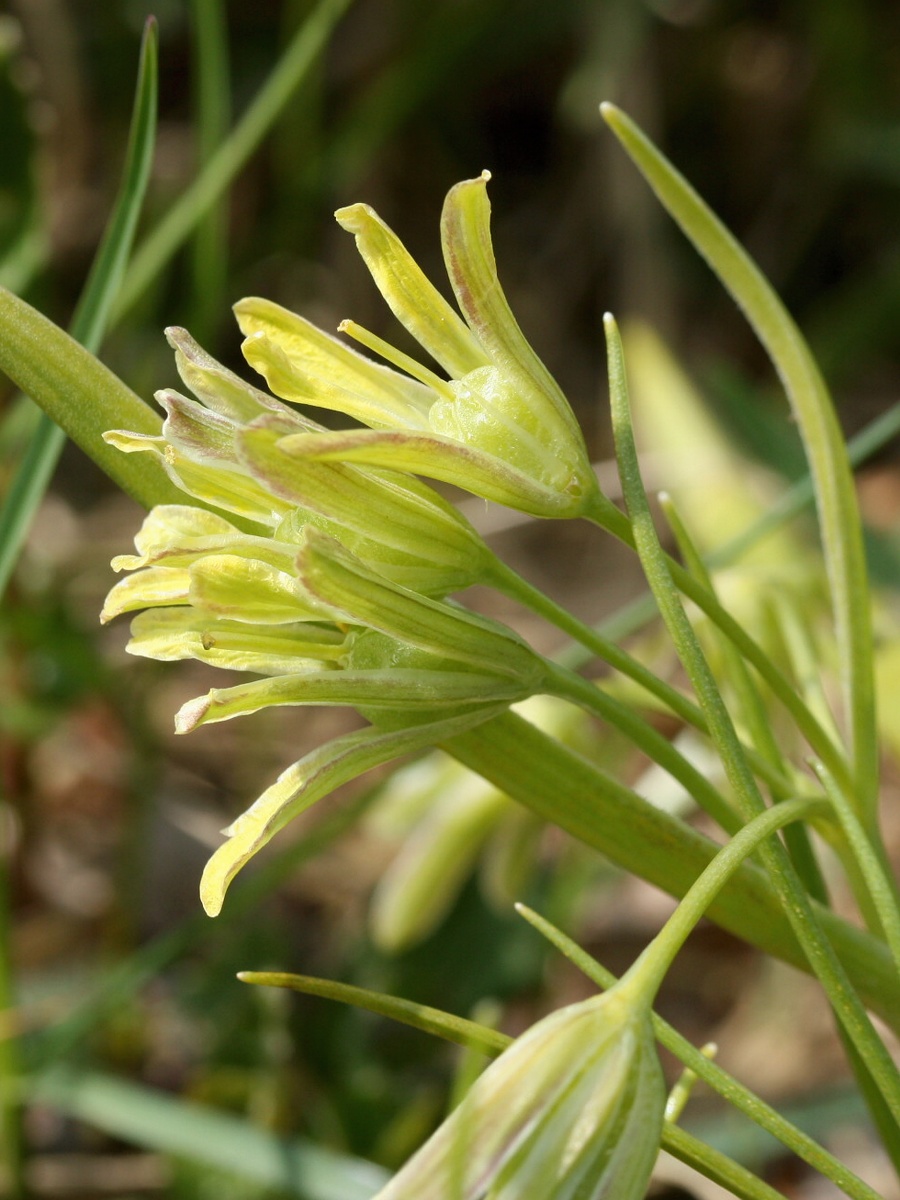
[572,1110]
[333,577]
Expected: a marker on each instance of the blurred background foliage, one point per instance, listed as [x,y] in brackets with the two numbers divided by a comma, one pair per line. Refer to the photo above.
[787,118]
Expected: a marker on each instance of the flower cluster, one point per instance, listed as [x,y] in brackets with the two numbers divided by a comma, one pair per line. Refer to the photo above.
[319,561]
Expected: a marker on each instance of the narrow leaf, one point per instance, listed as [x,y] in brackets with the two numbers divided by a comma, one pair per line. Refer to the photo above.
[419,1016]
[88,323]
[197,199]
[841,530]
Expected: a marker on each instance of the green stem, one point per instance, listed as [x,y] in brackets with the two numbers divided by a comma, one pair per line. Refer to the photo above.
[718,1166]
[803,661]
[854,848]
[683,1089]
[608,517]
[713,1075]
[796,638]
[564,788]
[637,613]
[506,580]
[481,1040]
[841,529]
[794,899]
[655,961]
[641,733]
[875,874]
[752,709]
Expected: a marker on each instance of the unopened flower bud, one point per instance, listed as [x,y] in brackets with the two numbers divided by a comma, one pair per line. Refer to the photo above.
[573,1108]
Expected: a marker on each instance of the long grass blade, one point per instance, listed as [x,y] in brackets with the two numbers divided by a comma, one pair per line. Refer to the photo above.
[92,313]
[198,1133]
[212,105]
[181,220]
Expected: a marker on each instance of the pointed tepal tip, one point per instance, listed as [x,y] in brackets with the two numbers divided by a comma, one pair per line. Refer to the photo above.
[191,714]
[612,114]
[354,217]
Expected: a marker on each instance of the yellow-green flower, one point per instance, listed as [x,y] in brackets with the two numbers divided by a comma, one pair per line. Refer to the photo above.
[572,1110]
[319,627]
[499,426]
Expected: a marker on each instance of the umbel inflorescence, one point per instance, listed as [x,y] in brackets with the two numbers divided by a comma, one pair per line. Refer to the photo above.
[328,580]
[319,561]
